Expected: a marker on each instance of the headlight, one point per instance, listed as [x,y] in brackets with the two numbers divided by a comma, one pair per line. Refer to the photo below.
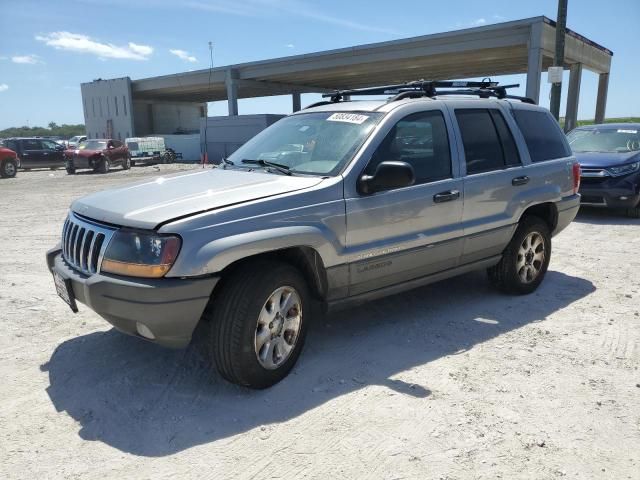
[624,169]
[140,254]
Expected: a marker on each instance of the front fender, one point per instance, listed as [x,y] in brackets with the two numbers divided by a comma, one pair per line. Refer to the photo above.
[219,253]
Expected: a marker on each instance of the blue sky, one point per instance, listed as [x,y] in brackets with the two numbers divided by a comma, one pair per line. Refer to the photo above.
[49,47]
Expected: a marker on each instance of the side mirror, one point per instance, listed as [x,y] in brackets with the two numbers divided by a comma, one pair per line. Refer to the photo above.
[388,175]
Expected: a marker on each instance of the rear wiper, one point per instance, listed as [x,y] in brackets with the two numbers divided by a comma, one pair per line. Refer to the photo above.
[266,163]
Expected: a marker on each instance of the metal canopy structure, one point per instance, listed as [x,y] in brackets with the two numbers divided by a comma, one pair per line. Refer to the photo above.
[521,46]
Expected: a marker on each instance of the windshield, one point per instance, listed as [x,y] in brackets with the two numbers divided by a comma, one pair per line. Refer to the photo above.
[75,139]
[93,145]
[311,143]
[605,140]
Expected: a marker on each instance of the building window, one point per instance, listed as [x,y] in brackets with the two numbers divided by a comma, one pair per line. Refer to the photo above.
[106,100]
[84,105]
[124,106]
[93,106]
[127,135]
[115,101]
[100,104]
[119,136]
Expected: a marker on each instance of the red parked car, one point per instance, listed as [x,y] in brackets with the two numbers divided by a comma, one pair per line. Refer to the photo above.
[97,154]
[9,162]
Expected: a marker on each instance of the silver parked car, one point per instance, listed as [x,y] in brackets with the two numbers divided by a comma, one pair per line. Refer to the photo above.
[334,205]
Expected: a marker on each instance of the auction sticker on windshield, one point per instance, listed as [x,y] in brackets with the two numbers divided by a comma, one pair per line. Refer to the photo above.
[627,131]
[348,118]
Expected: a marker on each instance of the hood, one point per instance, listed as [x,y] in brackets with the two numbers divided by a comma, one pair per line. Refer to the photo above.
[7,151]
[150,203]
[605,159]
[84,152]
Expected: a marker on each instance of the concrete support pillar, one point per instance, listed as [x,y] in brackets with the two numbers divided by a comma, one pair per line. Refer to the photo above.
[296,100]
[573,96]
[231,82]
[601,101]
[534,63]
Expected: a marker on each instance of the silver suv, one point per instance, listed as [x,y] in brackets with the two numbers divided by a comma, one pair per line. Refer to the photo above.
[335,205]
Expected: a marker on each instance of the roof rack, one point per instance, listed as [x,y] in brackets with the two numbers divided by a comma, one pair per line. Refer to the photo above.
[426,88]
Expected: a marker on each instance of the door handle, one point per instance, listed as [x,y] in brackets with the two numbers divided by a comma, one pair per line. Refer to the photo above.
[446,196]
[520,181]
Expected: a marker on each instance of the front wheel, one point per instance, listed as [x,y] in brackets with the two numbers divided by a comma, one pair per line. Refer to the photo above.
[104,166]
[634,212]
[525,261]
[259,322]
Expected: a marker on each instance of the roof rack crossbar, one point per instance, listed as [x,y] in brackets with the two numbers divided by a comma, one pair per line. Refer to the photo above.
[424,88]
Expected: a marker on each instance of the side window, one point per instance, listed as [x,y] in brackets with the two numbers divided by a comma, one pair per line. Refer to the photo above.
[482,146]
[509,149]
[12,144]
[32,145]
[48,145]
[116,144]
[421,140]
[542,134]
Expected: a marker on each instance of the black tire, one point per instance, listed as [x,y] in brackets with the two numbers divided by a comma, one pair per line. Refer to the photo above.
[634,212]
[126,163]
[71,171]
[8,168]
[506,275]
[235,310]
[133,162]
[104,166]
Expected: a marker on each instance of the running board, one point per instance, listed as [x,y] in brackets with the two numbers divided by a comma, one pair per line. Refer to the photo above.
[349,302]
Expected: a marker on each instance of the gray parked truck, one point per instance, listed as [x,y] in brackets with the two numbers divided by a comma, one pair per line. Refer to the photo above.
[335,205]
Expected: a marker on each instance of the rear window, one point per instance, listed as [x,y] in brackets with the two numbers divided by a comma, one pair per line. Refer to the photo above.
[542,134]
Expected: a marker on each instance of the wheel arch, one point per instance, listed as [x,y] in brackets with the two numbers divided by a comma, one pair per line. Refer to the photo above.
[305,258]
[548,212]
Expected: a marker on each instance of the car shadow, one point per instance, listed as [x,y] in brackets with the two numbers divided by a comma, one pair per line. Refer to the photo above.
[604,216]
[149,401]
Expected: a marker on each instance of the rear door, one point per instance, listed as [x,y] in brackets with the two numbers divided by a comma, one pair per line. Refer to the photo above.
[31,153]
[401,234]
[495,182]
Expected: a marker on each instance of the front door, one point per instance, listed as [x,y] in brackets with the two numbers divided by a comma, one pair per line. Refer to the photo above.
[52,153]
[401,234]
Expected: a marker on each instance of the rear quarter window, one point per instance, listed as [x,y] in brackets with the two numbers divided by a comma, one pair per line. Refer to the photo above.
[542,135]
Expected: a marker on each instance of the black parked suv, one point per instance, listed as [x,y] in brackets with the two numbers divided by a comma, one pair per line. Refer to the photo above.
[609,157]
[37,152]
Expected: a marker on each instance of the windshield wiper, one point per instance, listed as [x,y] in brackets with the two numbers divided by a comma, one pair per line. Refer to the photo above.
[266,163]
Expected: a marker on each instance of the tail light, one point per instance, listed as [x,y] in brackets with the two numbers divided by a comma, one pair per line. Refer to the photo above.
[576,177]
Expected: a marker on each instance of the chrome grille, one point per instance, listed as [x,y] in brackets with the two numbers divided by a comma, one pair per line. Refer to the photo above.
[84,243]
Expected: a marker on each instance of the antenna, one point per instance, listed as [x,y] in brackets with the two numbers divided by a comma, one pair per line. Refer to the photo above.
[205,153]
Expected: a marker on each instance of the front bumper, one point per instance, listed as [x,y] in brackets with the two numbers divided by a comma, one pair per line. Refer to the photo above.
[169,307]
[78,161]
[612,192]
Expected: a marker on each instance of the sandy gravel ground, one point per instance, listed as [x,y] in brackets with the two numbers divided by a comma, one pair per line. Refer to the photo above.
[451,381]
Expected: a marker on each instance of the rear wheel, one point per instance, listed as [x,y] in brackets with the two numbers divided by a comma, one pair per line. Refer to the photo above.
[525,261]
[126,163]
[9,168]
[259,322]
